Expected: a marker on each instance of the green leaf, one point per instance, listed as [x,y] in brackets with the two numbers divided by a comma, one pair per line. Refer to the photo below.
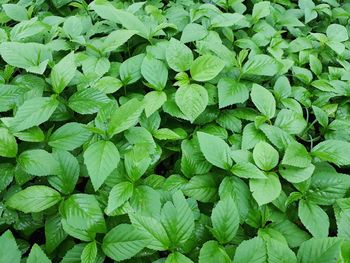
[54,233]
[82,212]
[225,220]
[337,33]
[87,101]
[262,65]
[265,156]
[243,252]
[69,136]
[263,100]
[193,32]
[158,238]
[313,218]
[215,150]
[260,10]
[101,158]
[34,199]
[202,188]
[177,219]
[153,101]
[295,174]
[36,255]
[155,72]
[178,56]
[206,67]
[231,92]
[123,242]
[192,100]
[89,253]
[137,161]
[38,162]
[226,19]
[212,252]
[119,194]
[290,121]
[33,112]
[296,155]
[8,144]
[177,257]
[247,170]
[334,151]
[265,190]
[63,72]
[107,11]
[125,117]
[130,69]
[32,57]
[117,38]
[9,251]
[15,12]
[320,250]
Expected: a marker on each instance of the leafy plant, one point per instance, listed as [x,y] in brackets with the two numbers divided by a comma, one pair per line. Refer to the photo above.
[174,131]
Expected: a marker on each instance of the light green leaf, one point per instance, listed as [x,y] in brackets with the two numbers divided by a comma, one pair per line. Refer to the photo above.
[33,112]
[215,150]
[155,72]
[9,251]
[107,11]
[153,101]
[290,121]
[36,255]
[32,57]
[16,12]
[117,38]
[192,100]
[87,101]
[125,117]
[69,136]
[247,170]
[337,33]
[318,250]
[193,32]
[178,55]
[260,10]
[101,158]
[123,242]
[177,219]
[177,257]
[34,199]
[63,72]
[231,92]
[265,156]
[206,67]
[89,253]
[334,151]
[130,69]
[296,155]
[295,174]
[313,218]
[202,188]
[212,252]
[38,162]
[263,100]
[265,190]
[119,194]
[8,144]
[225,220]
[226,19]
[244,251]
[262,65]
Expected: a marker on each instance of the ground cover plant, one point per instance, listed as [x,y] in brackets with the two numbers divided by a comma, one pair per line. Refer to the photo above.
[174,131]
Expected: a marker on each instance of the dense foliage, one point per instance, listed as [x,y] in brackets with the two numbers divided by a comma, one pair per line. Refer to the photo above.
[181,131]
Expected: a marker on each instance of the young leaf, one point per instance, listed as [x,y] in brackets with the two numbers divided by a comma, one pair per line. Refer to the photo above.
[123,242]
[192,100]
[247,170]
[206,67]
[34,199]
[225,219]
[265,190]
[265,156]
[296,155]
[178,56]
[63,72]
[155,72]
[9,251]
[313,218]
[334,151]
[262,65]
[8,144]
[36,255]
[263,100]
[211,251]
[231,92]
[89,253]
[101,158]
[119,194]
[215,150]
